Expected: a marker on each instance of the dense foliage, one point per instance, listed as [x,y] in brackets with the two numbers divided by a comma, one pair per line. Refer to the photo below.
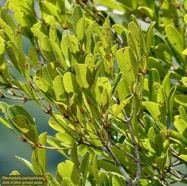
[113,82]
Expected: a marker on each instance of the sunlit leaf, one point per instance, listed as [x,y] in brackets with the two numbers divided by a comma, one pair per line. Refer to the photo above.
[23,122]
[128,64]
[69,171]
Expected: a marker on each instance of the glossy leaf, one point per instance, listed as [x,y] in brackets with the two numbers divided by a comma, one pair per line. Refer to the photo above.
[33,56]
[69,46]
[155,112]
[103,178]
[27,163]
[69,171]
[149,37]
[181,99]
[70,83]
[83,75]
[183,114]
[127,63]
[171,102]
[148,12]
[175,40]
[116,181]
[52,180]
[23,122]
[59,89]
[184,80]
[77,15]
[94,169]
[178,138]
[43,85]
[161,161]
[122,105]
[181,126]
[42,153]
[84,166]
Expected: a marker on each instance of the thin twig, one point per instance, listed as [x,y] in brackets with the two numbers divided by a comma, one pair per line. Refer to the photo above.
[118,164]
[127,121]
[138,171]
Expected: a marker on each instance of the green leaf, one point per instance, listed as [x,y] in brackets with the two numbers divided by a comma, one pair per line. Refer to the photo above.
[58,126]
[81,28]
[42,153]
[184,52]
[52,180]
[68,170]
[178,138]
[84,166]
[149,37]
[185,18]
[66,182]
[166,83]
[23,122]
[122,105]
[111,4]
[103,178]
[27,89]
[171,97]
[158,145]
[54,142]
[59,89]
[122,89]
[181,126]
[50,9]
[183,157]
[107,166]
[53,34]
[154,63]
[183,114]
[155,112]
[33,56]
[66,139]
[94,168]
[27,163]
[4,74]
[43,85]
[77,15]
[74,156]
[134,38]
[153,77]
[70,47]
[91,103]
[117,181]
[3,107]
[161,161]
[114,87]
[19,59]
[175,40]
[184,80]
[70,83]
[83,75]
[181,99]
[89,40]
[35,162]
[15,173]
[148,12]
[7,30]
[47,49]
[128,64]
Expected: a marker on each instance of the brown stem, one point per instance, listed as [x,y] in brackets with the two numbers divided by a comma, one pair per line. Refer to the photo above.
[127,121]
